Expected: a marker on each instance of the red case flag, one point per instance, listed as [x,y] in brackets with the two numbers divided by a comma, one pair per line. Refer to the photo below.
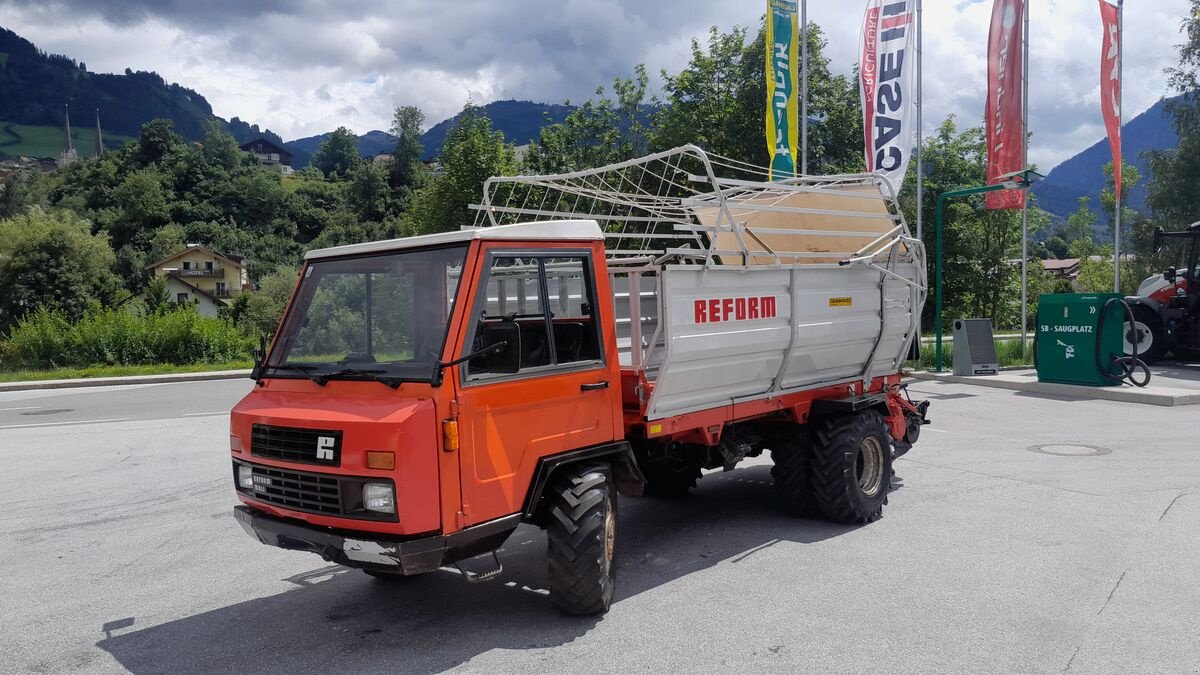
[1110,85]
[1005,128]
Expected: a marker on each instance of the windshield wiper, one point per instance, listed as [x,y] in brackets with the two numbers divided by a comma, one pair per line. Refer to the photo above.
[322,378]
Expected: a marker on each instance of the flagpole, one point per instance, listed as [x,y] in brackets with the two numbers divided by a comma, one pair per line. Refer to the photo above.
[920,146]
[920,129]
[804,88]
[1120,155]
[1025,197]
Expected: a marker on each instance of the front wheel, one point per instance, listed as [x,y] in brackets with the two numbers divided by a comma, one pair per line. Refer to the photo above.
[581,539]
[852,467]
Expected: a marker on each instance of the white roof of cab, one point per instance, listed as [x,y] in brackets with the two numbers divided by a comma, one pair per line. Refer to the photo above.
[557,230]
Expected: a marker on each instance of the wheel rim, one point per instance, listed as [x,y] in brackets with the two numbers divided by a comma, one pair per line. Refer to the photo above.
[610,537]
[869,466]
[1141,335]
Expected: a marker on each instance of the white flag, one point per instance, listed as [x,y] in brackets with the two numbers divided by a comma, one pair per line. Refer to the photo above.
[886,83]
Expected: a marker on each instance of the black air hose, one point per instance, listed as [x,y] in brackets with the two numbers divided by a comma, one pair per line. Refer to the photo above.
[1129,363]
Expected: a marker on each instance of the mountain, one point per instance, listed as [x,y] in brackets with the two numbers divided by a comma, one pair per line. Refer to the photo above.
[521,122]
[1083,174]
[35,86]
[369,144]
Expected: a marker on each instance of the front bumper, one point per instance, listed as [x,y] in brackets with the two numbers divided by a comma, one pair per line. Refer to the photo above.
[408,556]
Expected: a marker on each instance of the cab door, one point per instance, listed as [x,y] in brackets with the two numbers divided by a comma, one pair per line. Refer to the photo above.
[551,388]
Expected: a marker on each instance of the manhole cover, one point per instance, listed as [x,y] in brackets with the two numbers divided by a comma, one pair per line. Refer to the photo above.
[1069,450]
[52,411]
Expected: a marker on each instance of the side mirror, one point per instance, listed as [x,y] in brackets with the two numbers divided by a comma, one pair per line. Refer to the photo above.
[1170,275]
[506,359]
[260,356]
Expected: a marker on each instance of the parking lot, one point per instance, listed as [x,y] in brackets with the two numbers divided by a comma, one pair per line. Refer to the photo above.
[1027,533]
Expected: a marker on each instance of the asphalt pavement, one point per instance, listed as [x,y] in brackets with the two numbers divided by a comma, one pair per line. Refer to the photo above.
[1006,547]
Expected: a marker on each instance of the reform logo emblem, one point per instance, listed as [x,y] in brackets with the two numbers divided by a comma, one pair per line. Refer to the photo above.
[325,447]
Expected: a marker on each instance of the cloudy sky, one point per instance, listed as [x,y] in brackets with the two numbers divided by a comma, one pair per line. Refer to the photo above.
[302,67]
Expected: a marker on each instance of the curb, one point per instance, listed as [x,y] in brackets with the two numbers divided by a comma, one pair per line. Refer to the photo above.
[1123,394]
[168,378]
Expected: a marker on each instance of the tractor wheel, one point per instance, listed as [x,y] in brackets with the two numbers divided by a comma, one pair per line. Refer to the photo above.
[671,477]
[852,467]
[1147,332]
[793,475]
[581,536]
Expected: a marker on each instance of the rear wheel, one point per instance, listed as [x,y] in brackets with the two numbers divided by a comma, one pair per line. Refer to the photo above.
[581,537]
[852,467]
[1147,333]
[793,474]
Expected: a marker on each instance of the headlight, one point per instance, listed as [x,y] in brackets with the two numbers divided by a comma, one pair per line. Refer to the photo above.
[245,477]
[379,497]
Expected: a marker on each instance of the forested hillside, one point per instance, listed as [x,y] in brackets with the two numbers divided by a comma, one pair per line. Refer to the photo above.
[35,87]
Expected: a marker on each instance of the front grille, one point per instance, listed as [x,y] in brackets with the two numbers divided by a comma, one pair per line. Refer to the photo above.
[289,444]
[301,491]
[319,493]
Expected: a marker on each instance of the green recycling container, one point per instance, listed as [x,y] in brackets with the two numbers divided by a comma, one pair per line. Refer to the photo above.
[1068,325]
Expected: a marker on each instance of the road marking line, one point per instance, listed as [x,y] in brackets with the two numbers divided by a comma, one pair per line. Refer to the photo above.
[936,431]
[202,414]
[64,424]
[28,407]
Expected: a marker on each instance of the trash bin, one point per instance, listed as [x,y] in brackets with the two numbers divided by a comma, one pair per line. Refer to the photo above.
[1074,333]
[974,348]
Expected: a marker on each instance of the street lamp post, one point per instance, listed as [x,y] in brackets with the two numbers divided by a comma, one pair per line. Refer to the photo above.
[1020,180]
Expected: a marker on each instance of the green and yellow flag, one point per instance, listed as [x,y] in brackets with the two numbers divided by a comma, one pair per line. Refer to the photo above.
[783,117]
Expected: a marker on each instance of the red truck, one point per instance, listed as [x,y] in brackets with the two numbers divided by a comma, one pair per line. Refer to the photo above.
[425,396]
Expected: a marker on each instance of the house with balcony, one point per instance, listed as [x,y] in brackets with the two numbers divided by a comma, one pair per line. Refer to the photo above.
[201,275]
[269,154]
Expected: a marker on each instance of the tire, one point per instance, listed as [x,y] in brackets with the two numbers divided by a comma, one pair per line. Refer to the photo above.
[793,475]
[670,478]
[1146,320]
[852,467]
[581,536]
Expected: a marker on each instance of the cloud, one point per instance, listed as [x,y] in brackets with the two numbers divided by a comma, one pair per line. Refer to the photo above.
[303,67]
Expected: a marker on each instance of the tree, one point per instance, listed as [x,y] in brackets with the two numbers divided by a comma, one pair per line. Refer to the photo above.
[156,296]
[264,308]
[718,101]
[982,248]
[1079,230]
[156,141]
[221,149]
[1172,196]
[338,153]
[52,260]
[1057,246]
[406,158]
[472,154]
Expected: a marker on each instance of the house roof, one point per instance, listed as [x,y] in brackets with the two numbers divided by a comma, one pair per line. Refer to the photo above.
[198,291]
[577,230]
[1057,265]
[262,145]
[236,260]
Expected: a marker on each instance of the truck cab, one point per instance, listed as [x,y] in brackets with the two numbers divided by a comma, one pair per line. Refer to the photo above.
[415,384]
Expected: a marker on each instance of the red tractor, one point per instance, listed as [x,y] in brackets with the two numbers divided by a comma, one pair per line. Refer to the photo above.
[1166,309]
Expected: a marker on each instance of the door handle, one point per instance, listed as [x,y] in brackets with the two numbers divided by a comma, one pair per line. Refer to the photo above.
[594,386]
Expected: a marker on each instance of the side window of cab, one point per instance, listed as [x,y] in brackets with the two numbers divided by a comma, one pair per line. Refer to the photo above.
[534,313]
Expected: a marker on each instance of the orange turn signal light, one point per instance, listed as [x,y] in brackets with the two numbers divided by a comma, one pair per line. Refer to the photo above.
[449,435]
[380,459]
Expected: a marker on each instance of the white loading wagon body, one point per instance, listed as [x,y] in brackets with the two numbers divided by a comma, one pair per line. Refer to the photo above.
[729,287]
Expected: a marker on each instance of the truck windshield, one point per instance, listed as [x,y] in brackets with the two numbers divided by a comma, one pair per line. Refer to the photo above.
[381,317]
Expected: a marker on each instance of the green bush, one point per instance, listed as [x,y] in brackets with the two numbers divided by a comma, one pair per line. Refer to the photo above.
[46,339]
[1008,353]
